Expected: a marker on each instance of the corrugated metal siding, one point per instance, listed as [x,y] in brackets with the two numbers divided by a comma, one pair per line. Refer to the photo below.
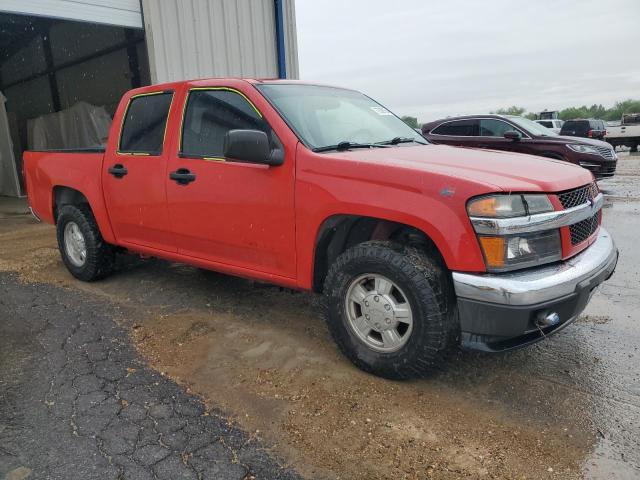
[215,38]
[125,13]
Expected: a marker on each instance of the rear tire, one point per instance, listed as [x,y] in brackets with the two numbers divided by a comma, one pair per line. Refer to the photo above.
[419,286]
[84,252]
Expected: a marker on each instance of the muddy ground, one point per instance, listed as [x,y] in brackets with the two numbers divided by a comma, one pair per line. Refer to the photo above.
[568,407]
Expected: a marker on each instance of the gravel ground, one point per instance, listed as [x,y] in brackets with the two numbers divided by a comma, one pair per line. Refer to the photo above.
[76,401]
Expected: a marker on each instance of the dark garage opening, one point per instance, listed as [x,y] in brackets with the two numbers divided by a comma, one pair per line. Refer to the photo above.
[49,65]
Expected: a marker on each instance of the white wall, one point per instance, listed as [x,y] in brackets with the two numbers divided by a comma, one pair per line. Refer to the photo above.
[190,39]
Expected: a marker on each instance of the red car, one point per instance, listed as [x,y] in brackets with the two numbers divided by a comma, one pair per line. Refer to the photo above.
[521,135]
[416,247]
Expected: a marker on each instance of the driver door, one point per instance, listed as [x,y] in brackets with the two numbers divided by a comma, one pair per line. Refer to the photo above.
[239,214]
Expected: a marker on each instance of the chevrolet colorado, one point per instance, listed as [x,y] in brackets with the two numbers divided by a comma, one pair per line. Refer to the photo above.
[417,247]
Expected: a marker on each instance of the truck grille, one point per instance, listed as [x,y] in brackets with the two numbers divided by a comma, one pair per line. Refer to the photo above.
[582,230]
[578,196]
[606,152]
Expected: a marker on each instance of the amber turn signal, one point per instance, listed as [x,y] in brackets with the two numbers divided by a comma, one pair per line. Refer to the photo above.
[494,251]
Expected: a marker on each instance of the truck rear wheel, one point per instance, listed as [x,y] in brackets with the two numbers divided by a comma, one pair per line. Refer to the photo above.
[390,309]
[85,254]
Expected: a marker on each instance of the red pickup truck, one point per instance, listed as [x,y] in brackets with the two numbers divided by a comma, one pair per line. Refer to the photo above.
[416,246]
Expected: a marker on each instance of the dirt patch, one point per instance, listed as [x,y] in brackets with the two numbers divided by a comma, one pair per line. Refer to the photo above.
[594,319]
[333,421]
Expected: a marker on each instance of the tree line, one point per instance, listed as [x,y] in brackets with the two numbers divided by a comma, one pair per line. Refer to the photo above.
[594,111]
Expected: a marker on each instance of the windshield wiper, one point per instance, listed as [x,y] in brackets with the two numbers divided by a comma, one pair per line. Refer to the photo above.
[397,140]
[347,146]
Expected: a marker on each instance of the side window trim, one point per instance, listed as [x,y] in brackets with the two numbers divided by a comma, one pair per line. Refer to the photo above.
[166,124]
[182,154]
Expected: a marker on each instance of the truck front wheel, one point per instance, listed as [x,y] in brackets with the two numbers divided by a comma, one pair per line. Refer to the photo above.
[85,254]
[390,309]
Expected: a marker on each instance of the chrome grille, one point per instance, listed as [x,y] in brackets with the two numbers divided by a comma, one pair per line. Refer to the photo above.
[582,230]
[606,152]
[578,196]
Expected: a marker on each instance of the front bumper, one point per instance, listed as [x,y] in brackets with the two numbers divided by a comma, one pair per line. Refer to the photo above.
[601,169]
[499,311]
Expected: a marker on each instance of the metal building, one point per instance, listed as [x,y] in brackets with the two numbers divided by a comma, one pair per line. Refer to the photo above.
[55,54]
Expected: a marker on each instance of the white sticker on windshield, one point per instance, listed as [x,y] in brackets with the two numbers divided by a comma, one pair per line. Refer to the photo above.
[381,111]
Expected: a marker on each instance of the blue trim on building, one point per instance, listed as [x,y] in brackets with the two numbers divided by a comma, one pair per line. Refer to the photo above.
[280,44]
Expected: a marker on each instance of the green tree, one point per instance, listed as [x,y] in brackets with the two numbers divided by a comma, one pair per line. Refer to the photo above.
[411,121]
[513,110]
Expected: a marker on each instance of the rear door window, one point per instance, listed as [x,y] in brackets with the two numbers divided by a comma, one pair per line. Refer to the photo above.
[145,122]
[459,128]
[546,124]
[575,128]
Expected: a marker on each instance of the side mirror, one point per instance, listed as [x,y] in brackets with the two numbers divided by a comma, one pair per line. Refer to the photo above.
[251,146]
[512,135]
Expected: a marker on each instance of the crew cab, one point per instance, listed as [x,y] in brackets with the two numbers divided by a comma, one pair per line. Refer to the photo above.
[518,134]
[416,247]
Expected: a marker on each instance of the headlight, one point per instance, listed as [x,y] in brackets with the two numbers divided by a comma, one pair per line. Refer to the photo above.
[510,252]
[521,251]
[577,147]
[507,206]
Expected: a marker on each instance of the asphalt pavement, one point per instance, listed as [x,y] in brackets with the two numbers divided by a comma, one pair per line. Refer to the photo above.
[76,402]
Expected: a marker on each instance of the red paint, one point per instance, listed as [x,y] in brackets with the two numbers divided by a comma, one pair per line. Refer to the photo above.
[263,222]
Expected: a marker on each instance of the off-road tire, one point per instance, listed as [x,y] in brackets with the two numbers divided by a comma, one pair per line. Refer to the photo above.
[429,292]
[100,255]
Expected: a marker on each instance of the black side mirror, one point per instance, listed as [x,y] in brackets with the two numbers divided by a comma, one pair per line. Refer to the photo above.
[251,146]
[512,135]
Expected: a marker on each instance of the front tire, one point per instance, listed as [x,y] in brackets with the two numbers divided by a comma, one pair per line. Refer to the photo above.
[390,309]
[84,252]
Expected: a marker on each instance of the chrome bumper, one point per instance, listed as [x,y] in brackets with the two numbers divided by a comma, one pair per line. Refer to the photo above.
[542,284]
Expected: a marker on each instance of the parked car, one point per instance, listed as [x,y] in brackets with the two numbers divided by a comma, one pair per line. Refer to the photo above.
[518,134]
[589,128]
[416,247]
[554,125]
[627,133]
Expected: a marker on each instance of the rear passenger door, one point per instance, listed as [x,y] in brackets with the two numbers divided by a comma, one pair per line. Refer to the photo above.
[133,175]
[463,133]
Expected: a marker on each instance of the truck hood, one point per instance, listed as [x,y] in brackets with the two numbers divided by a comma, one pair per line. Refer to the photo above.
[496,169]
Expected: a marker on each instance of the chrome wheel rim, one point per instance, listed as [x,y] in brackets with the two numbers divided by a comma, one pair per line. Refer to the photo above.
[74,244]
[378,312]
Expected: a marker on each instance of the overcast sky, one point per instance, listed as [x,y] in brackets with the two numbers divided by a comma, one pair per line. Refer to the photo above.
[434,58]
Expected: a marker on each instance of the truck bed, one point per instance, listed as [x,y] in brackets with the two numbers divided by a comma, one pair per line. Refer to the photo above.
[46,172]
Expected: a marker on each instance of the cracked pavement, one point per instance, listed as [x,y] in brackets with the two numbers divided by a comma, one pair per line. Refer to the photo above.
[76,402]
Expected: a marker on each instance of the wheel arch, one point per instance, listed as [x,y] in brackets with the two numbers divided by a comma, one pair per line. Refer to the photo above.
[340,232]
[64,195]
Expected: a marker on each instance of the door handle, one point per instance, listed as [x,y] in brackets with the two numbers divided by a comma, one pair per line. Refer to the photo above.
[118,170]
[182,176]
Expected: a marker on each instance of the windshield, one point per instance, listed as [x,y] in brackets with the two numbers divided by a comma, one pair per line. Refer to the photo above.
[533,127]
[326,116]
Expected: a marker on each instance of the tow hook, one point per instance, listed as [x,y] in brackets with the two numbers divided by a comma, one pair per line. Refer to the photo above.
[547,319]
